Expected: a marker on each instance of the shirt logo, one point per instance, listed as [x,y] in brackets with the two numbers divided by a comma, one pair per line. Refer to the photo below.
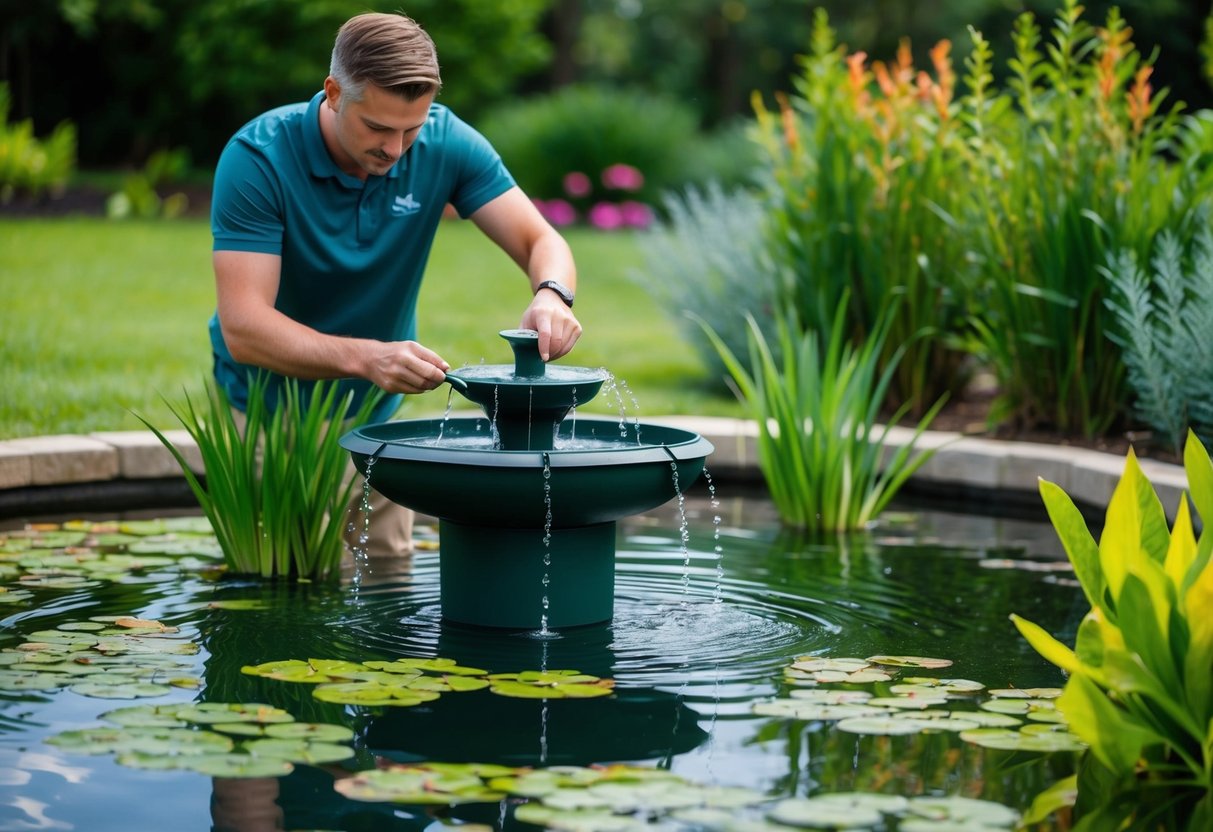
[405,205]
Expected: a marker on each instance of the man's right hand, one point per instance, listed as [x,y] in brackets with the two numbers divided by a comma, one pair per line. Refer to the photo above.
[404,367]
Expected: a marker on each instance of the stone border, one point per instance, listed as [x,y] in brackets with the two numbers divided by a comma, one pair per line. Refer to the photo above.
[961,464]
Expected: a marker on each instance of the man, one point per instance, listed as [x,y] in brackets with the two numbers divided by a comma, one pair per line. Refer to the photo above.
[323,217]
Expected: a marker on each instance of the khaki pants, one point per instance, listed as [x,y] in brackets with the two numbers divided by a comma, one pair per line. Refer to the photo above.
[390,531]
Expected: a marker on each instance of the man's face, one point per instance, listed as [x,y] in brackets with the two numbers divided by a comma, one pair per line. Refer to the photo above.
[372,134]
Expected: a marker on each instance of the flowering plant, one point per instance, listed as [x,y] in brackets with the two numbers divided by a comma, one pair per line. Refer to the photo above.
[611,207]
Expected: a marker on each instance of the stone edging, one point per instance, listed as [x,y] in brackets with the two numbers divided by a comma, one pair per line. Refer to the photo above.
[984,465]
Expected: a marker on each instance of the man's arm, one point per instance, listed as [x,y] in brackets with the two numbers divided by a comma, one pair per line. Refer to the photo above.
[513,223]
[246,285]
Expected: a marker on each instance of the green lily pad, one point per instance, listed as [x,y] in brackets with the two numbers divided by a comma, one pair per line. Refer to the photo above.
[299,750]
[370,694]
[215,712]
[145,716]
[109,690]
[436,665]
[314,731]
[416,785]
[910,661]
[577,821]
[238,765]
[884,725]
[963,810]
[829,812]
[815,711]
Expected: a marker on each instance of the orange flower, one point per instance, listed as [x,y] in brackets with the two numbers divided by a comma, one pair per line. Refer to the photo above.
[1139,98]
[791,136]
[858,78]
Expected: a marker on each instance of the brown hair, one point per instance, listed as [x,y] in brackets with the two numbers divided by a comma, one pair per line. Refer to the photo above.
[388,50]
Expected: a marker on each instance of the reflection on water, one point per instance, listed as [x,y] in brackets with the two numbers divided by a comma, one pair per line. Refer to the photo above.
[687,671]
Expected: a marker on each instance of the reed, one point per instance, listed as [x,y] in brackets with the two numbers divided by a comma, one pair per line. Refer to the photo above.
[820,449]
[275,491]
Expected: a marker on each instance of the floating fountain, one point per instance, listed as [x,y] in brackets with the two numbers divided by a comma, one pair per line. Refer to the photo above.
[527,499]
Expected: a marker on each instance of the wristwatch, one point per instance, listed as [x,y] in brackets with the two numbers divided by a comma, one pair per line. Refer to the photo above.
[566,294]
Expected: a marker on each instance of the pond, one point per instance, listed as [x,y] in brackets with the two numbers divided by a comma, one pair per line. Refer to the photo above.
[693,678]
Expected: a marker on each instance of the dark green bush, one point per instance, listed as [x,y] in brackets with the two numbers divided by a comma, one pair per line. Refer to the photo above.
[588,129]
[30,165]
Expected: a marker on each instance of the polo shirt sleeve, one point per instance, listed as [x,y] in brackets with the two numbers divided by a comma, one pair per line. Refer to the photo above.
[482,176]
[246,204]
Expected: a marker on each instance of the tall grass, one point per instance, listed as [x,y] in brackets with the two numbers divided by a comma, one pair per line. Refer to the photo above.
[864,177]
[1070,166]
[276,489]
[820,449]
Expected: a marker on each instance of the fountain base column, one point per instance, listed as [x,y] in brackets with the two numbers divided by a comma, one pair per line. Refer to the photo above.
[493,577]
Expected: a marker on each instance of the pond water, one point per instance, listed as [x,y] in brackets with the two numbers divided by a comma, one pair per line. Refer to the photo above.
[701,634]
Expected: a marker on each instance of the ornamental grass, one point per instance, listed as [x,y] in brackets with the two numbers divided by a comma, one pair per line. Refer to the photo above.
[276,491]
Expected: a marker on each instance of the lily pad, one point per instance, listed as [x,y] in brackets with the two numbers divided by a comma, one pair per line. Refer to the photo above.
[910,661]
[884,725]
[238,765]
[314,731]
[299,750]
[109,690]
[417,785]
[956,809]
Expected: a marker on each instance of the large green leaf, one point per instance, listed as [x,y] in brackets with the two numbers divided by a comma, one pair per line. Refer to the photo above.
[1076,539]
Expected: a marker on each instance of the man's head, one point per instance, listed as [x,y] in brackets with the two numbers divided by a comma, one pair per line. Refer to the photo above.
[389,51]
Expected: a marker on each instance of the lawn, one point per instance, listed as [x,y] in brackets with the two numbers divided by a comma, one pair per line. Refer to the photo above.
[102,320]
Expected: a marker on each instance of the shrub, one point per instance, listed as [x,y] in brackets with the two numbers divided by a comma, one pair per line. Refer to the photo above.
[588,130]
[1163,320]
[140,196]
[1140,686]
[709,258]
[29,165]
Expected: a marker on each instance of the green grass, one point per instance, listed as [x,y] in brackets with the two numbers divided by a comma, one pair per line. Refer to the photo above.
[99,320]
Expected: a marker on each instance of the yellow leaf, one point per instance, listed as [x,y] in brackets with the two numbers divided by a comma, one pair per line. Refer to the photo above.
[1047,646]
[1182,550]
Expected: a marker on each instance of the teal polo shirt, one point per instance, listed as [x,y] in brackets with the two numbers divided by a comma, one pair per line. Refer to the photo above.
[353,251]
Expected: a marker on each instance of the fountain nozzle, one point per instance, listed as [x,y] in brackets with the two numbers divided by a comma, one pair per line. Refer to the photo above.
[525,343]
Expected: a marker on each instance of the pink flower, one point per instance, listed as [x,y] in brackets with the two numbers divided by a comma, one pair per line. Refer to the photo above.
[635,214]
[623,177]
[606,216]
[557,211]
[577,184]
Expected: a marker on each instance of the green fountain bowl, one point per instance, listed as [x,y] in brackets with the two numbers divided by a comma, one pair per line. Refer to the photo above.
[600,471]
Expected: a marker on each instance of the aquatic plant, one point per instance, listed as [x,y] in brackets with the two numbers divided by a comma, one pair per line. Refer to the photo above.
[1140,687]
[275,491]
[820,449]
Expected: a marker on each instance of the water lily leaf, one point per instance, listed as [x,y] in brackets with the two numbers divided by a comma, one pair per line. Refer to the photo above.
[990,720]
[370,694]
[239,729]
[110,690]
[815,711]
[577,821]
[238,765]
[299,750]
[815,813]
[205,713]
[1026,693]
[908,702]
[810,664]
[18,680]
[314,731]
[831,697]
[884,725]
[335,667]
[439,665]
[149,762]
[964,809]
[14,596]
[143,624]
[548,690]
[1005,706]
[145,716]
[418,785]
[72,626]
[910,661]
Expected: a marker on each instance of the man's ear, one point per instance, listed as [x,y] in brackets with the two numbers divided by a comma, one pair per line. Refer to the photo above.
[332,93]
